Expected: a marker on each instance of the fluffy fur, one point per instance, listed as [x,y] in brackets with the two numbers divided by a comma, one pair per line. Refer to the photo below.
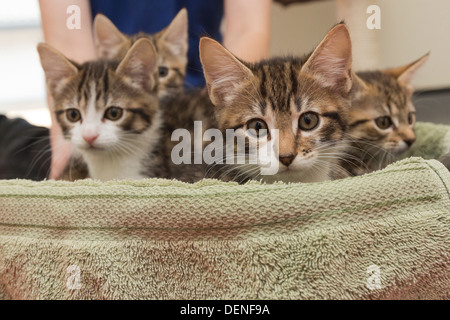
[382,97]
[181,111]
[109,111]
[171,44]
[279,93]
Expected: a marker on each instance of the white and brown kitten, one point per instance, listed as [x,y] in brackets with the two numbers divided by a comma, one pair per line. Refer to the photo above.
[382,118]
[171,44]
[306,101]
[109,111]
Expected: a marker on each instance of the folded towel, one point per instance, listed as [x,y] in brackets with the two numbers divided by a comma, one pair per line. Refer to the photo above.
[382,235]
[385,235]
[433,141]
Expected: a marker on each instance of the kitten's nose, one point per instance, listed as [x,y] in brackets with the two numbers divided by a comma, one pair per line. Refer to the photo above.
[90,139]
[409,142]
[287,160]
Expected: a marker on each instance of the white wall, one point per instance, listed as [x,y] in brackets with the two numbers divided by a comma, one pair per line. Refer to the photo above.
[413,27]
[409,29]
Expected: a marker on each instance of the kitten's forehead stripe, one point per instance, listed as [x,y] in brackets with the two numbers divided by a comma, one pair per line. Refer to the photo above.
[278,81]
[98,95]
[105,86]
[263,108]
[81,84]
[389,106]
[82,93]
[293,77]
[336,117]
[262,88]
[358,122]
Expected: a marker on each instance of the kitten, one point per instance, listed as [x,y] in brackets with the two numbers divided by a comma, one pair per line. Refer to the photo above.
[382,118]
[307,100]
[181,112]
[171,45]
[109,111]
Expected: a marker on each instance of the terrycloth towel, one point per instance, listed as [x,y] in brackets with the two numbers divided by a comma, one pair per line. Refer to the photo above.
[379,236]
[433,141]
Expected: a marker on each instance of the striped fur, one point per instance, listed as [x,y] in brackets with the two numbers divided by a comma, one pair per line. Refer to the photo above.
[378,94]
[124,147]
[280,91]
[171,44]
[181,111]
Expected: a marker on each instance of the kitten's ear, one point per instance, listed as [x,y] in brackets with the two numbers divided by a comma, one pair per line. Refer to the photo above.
[139,65]
[109,41]
[176,34]
[358,84]
[224,73]
[405,74]
[331,61]
[57,68]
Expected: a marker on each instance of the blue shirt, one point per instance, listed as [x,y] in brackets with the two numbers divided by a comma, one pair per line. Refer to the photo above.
[150,16]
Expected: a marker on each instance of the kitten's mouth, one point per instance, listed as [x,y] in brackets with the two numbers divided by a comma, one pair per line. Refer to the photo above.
[300,167]
[287,171]
[398,149]
[92,148]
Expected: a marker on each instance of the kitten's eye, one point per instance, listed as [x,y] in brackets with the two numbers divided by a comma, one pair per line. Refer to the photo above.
[411,118]
[383,122]
[308,121]
[163,71]
[113,113]
[73,115]
[257,125]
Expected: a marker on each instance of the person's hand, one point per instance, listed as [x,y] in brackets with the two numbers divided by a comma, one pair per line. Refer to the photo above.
[75,44]
[61,150]
[247,28]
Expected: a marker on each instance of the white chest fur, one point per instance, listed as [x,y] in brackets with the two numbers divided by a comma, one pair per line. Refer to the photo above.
[112,167]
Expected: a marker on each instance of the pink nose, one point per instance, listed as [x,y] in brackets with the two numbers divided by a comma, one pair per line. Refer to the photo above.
[90,139]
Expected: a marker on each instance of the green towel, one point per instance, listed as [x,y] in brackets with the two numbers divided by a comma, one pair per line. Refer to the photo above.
[385,235]
[433,141]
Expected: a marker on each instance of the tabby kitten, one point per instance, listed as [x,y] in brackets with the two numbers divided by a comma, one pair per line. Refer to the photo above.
[307,102]
[109,110]
[182,111]
[382,118]
[171,45]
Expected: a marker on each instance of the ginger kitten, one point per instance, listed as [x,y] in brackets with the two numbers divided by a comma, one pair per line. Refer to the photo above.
[306,101]
[171,44]
[382,118]
[109,111]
